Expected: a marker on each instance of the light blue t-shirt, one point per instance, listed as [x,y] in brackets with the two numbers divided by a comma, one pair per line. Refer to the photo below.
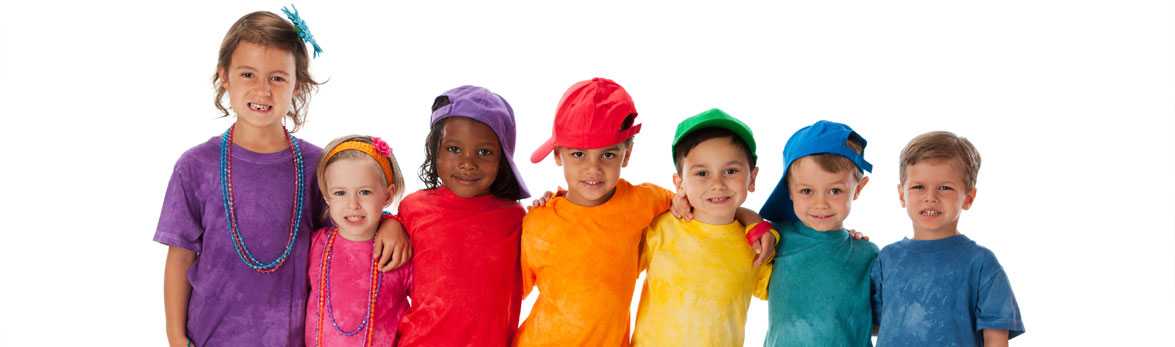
[941,293]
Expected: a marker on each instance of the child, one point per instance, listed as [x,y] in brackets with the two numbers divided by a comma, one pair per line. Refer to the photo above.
[581,249]
[700,272]
[238,208]
[465,226]
[351,302]
[941,288]
[819,291]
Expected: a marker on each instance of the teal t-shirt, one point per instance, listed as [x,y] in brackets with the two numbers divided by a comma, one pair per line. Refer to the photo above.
[819,291]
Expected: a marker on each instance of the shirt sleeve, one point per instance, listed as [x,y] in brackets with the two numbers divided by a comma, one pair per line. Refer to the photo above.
[529,277]
[763,280]
[875,281]
[649,245]
[996,306]
[180,222]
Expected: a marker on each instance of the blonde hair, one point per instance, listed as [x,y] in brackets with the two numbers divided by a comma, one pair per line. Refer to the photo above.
[942,145]
[320,172]
[268,29]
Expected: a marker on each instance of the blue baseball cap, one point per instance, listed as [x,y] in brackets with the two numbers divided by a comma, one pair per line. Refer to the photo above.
[824,137]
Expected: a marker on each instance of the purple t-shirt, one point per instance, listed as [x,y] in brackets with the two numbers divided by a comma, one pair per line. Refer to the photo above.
[231,304]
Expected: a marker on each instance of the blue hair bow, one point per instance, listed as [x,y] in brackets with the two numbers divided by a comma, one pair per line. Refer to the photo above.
[303,31]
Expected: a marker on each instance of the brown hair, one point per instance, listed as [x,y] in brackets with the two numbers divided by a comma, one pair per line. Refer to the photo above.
[834,163]
[320,172]
[268,29]
[942,145]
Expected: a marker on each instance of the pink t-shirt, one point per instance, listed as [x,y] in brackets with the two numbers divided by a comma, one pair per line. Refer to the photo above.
[350,283]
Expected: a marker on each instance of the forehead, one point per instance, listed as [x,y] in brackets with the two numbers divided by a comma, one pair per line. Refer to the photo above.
[359,168]
[258,56]
[807,170]
[720,150]
[936,170]
[464,129]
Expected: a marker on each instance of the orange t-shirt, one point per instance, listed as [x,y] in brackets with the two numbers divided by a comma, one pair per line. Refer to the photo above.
[584,262]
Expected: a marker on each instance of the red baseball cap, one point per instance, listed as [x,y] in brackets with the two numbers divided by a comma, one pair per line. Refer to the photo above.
[592,114]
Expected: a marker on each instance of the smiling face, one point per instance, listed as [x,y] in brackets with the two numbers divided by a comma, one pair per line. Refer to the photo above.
[716,175]
[468,159]
[821,199]
[592,174]
[356,193]
[260,83]
[934,195]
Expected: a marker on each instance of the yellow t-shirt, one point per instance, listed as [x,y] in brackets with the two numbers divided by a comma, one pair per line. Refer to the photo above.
[584,261]
[699,284]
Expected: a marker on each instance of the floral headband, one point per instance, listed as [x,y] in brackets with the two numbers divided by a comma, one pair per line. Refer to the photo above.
[377,149]
[302,29]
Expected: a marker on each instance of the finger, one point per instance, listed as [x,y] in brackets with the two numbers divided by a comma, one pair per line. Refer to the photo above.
[377,249]
[384,257]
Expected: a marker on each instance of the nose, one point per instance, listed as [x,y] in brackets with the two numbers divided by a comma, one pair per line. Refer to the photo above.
[353,201]
[466,162]
[931,196]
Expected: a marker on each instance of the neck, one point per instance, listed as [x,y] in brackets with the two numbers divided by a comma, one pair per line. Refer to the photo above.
[261,140]
[714,218]
[357,235]
[936,234]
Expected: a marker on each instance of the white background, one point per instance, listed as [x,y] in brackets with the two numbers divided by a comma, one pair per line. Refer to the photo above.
[1069,102]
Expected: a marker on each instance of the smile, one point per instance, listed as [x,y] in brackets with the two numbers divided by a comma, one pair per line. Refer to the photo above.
[260,107]
[930,213]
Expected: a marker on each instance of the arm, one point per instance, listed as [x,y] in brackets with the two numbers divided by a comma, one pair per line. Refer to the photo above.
[391,244]
[995,338]
[176,291]
[765,245]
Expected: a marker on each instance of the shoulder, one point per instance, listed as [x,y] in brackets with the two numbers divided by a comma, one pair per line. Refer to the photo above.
[207,152]
[981,256]
[893,249]
[309,150]
[646,190]
[868,246]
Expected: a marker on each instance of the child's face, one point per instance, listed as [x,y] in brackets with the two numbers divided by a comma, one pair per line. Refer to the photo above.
[934,195]
[356,195]
[592,174]
[468,158]
[716,176]
[821,199]
[260,83]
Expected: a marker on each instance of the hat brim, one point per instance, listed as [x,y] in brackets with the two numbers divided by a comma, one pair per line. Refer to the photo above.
[543,150]
[778,208]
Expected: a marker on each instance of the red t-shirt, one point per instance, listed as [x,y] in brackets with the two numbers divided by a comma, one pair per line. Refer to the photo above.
[466,288]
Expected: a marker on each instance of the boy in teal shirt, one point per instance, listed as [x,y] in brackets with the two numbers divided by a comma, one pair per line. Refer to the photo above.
[819,289]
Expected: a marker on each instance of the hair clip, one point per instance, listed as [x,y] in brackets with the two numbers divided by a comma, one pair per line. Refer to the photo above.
[381,147]
[300,26]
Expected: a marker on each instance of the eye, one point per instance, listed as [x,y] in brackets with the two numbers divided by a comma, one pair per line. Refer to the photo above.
[701,173]
[804,191]
[246,75]
[836,191]
[730,171]
[482,152]
[278,79]
[577,154]
[365,192]
[338,193]
[609,155]
[453,149]
[916,187]
[945,188]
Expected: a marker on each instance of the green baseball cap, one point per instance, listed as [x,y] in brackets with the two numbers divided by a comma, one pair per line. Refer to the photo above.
[714,118]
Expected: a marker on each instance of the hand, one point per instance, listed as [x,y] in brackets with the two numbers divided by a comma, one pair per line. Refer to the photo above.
[681,207]
[764,248]
[546,198]
[392,245]
[857,236]
[181,342]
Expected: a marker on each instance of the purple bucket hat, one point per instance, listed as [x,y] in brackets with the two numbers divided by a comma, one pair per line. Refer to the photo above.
[484,106]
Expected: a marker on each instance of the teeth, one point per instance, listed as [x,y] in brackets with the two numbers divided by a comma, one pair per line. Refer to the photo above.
[259,107]
[931,213]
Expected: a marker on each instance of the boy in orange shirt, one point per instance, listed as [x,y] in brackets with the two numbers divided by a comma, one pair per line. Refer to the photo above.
[581,248]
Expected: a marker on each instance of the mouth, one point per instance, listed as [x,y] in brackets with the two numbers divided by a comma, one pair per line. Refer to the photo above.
[259,107]
[356,219]
[930,213]
[592,183]
[821,217]
[466,179]
[718,199]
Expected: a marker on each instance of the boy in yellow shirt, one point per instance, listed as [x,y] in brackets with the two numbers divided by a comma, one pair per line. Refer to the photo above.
[700,273]
[581,249]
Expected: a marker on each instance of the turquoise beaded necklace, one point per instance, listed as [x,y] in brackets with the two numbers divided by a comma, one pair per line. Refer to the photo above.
[226,169]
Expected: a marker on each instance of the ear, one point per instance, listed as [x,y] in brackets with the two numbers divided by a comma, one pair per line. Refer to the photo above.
[860,185]
[754,173]
[969,199]
[627,154]
[391,195]
[677,182]
[223,77]
[558,156]
[902,195]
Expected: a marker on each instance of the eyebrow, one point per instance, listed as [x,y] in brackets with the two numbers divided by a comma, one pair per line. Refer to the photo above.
[239,67]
